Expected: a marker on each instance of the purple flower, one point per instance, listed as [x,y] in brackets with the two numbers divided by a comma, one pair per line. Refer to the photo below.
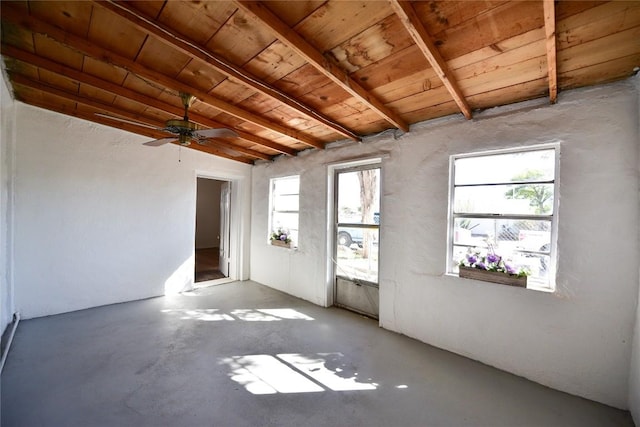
[481,265]
[472,259]
[509,269]
[283,237]
[493,258]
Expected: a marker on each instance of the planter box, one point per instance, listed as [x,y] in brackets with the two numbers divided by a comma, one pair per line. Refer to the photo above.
[280,243]
[492,276]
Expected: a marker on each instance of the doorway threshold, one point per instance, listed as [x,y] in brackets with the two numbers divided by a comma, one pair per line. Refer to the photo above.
[207,283]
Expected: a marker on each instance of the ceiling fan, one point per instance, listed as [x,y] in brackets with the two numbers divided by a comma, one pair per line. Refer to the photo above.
[186,131]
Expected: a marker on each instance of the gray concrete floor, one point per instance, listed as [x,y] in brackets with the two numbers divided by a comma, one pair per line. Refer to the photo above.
[242,354]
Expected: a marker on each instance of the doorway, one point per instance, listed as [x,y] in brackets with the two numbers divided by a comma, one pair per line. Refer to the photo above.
[212,234]
[357,238]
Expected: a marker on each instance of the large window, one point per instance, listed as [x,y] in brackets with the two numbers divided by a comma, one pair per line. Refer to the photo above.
[505,202]
[285,206]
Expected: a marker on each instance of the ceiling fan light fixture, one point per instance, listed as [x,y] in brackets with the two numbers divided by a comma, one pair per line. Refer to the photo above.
[187,99]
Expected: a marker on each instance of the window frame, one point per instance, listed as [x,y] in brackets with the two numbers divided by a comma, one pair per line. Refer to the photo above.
[553,217]
[272,210]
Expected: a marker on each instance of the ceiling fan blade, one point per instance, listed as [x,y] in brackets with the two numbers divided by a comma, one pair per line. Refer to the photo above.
[220,145]
[158,142]
[216,133]
[232,153]
[123,120]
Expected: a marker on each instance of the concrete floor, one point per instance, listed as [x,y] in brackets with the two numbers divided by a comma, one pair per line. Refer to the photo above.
[242,354]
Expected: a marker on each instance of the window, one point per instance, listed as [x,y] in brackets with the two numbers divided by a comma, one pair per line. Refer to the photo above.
[285,206]
[505,202]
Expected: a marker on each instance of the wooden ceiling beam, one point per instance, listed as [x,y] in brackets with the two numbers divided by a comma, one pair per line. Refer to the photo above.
[99,53]
[33,84]
[192,49]
[226,145]
[414,27]
[550,34]
[259,12]
[84,78]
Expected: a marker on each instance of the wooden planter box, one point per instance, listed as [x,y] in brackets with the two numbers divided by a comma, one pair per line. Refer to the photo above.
[493,276]
[280,243]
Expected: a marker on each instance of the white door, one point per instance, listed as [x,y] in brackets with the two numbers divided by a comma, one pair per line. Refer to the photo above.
[225,228]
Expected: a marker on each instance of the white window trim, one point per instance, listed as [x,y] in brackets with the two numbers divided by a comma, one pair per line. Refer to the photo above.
[553,258]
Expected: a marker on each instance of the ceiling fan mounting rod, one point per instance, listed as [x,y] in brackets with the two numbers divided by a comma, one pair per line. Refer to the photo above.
[187,100]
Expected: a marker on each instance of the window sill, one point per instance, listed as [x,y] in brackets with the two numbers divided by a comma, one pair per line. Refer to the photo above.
[282,246]
[530,286]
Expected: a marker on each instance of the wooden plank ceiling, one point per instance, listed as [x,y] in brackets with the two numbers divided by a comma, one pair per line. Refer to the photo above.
[288,76]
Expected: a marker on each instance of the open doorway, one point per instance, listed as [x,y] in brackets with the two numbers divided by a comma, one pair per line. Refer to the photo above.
[212,236]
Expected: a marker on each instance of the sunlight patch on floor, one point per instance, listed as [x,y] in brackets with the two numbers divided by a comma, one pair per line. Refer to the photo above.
[295,373]
[208,283]
[329,370]
[248,315]
[264,374]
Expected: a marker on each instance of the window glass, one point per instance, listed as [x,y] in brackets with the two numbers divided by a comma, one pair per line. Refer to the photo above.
[287,202]
[354,189]
[285,205]
[529,198]
[538,165]
[357,228]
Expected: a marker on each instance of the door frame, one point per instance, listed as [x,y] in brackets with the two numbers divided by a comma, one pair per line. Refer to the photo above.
[330,221]
[239,217]
[224,255]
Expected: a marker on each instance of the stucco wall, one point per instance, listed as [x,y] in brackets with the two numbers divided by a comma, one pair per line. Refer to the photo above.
[577,339]
[100,218]
[7,141]
[634,377]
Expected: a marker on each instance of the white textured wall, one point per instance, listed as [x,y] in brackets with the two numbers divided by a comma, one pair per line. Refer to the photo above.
[7,141]
[634,377]
[577,340]
[298,272]
[99,218]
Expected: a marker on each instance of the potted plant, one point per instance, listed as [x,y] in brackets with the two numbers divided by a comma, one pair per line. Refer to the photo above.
[280,237]
[491,268]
